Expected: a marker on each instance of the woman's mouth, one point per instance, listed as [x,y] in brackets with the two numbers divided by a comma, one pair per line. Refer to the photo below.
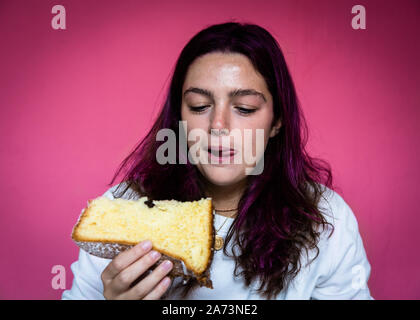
[221,155]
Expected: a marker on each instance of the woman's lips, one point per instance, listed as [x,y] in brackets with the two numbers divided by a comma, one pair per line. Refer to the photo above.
[221,155]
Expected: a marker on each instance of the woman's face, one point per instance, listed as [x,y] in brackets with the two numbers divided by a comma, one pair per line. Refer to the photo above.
[208,84]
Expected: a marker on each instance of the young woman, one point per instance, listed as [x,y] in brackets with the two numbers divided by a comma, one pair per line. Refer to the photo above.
[286,233]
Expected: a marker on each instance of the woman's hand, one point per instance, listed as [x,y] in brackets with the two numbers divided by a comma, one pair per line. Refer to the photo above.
[128,266]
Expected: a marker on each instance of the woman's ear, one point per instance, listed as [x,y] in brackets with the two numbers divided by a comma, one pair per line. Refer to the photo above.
[275,129]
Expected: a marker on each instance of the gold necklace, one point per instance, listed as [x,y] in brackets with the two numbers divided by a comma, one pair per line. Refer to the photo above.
[218,243]
[224,210]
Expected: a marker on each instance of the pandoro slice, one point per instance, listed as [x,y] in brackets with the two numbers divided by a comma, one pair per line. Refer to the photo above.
[181,231]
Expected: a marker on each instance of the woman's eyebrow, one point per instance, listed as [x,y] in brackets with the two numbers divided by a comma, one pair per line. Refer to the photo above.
[231,94]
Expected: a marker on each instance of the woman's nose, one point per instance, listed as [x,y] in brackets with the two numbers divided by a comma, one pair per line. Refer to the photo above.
[220,118]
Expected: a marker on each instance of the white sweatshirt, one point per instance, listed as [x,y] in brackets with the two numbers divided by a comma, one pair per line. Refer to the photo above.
[340,271]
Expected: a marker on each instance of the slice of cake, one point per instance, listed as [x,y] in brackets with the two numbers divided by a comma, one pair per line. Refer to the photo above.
[181,231]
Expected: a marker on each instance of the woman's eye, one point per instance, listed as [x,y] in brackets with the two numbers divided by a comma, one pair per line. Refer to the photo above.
[198,109]
[245,110]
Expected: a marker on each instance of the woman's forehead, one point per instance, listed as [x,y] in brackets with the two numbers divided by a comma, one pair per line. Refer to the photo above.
[222,73]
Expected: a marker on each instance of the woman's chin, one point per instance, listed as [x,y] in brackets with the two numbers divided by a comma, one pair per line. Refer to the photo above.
[223,176]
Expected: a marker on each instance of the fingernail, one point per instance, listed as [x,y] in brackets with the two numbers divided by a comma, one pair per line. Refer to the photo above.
[167,265]
[154,254]
[166,281]
[146,245]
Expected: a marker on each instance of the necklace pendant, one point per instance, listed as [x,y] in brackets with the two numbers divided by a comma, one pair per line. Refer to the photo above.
[218,243]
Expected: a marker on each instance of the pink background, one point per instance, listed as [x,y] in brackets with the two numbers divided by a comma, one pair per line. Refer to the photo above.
[74,102]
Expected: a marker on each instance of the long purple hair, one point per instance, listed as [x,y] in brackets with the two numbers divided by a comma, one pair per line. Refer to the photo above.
[278,215]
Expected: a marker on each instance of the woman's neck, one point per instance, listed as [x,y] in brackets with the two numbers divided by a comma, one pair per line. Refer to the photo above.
[226,197]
